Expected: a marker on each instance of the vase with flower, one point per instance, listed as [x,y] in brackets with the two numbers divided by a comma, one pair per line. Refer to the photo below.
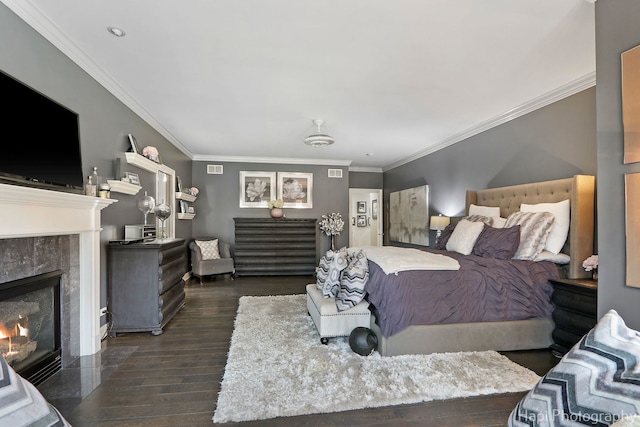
[332,225]
[150,153]
[275,208]
[591,264]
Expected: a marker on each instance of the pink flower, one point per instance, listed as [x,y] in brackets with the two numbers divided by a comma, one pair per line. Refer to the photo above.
[149,151]
[590,263]
[194,191]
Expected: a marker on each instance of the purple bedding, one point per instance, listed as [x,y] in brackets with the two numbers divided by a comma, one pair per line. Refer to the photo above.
[483,290]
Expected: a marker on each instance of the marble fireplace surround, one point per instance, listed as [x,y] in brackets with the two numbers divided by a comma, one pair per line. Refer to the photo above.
[33,212]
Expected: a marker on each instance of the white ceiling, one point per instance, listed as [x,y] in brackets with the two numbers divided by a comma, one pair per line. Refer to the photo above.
[243,79]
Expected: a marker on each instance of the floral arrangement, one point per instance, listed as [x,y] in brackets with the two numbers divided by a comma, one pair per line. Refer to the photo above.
[193,191]
[590,263]
[332,224]
[277,203]
[150,151]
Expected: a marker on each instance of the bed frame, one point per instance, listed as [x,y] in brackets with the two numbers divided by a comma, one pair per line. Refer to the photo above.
[516,334]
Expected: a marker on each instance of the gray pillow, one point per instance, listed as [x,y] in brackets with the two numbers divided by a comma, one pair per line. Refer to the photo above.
[499,243]
[596,383]
[352,282]
[332,283]
[534,229]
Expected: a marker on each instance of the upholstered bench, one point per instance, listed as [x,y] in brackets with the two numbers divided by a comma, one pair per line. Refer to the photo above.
[333,323]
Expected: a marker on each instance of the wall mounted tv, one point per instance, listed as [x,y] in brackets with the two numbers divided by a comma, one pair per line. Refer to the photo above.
[40,139]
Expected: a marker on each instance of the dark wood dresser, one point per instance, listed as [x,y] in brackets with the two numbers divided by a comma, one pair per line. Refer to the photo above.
[575,313]
[146,286]
[270,246]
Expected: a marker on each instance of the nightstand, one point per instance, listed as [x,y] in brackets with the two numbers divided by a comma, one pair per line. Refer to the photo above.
[575,313]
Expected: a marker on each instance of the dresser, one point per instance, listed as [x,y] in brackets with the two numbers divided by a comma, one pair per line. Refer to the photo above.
[275,246]
[575,311]
[146,286]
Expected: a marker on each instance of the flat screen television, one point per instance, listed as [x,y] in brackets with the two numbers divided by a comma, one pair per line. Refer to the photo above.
[40,140]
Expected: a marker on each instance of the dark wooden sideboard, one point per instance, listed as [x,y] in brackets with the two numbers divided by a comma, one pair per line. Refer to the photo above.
[146,286]
[275,246]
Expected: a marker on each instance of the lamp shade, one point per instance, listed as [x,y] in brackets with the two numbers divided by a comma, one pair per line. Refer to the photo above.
[439,222]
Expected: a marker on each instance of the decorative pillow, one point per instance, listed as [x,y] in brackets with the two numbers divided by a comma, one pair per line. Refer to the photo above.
[322,272]
[555,258]
[22,405]
[534,229]
[488,211]
[209,249]
[464,236]
[332,283]
[596,383]
[560,227]
[354,278]
[499,243]
[494,221]
[444,237]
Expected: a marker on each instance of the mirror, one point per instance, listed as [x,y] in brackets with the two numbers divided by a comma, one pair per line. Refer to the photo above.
[165,185]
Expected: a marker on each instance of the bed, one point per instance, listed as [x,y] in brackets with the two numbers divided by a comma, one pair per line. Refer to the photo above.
[504,335]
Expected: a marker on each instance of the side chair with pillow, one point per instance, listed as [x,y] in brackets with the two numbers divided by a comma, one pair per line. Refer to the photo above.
[210,256]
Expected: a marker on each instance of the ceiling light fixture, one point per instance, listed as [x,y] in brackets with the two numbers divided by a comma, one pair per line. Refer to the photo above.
[319,139]
[116,31]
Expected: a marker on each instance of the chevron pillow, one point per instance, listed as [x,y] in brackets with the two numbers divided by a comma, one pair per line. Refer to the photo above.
[22,405]
[352,282]
[322,272]
[596,383]
[332,283]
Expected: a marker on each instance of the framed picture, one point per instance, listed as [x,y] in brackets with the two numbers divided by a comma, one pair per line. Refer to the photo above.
[361,221]
[133,143]
[132,178]
[374,209]
[296,189]
[191,209]
[184,208]
[362,207]
[178,184]
[257,188]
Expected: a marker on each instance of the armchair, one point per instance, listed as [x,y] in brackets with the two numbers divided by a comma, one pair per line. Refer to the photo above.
[214,259]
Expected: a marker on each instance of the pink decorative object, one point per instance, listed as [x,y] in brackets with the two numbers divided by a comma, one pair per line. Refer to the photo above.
[590,263]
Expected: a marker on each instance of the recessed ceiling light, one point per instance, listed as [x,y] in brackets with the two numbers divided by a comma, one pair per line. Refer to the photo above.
[116,31]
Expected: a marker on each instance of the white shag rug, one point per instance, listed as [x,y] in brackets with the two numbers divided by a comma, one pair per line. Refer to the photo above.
[277,367]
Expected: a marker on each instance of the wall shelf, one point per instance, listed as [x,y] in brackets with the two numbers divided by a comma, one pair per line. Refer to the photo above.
[186,215]
[123,187]
[142,162]
[186,197]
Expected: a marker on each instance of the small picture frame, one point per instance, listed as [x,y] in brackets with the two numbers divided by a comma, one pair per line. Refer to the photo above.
[361,221]
[132,178]
[191,209]
[184,207]
[374,209]
[133,143]
[362,207]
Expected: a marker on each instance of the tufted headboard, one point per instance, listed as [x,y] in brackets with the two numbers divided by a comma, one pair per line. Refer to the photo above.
[580,190]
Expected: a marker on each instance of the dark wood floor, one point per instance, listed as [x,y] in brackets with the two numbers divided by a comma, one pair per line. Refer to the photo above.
[173,379]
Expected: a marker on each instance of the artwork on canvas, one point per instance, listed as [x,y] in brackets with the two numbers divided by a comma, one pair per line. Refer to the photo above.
[409,216]
[257,188]
[632,228]
[630,63]
[296,189]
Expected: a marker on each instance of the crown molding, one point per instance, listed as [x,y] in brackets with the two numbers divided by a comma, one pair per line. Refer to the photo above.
[279,160]
[365,169]
[39,22]
[571,88]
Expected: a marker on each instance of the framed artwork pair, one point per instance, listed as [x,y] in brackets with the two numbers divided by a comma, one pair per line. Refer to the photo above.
[257,188]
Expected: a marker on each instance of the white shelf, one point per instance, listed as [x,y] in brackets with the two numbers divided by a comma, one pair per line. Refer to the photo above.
[142,162]
[186,197]
[123,187]
[186,215]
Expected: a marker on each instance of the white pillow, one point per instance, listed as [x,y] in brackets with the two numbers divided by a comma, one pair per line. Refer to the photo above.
[464,236]
[555,258]
[489,211]
[534,229]
[560,228]
[209,249]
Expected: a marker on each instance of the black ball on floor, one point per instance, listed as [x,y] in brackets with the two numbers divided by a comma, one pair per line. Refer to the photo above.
[363,341]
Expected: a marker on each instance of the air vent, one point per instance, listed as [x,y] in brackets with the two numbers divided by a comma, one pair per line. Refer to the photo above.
[335,173]
[214,169]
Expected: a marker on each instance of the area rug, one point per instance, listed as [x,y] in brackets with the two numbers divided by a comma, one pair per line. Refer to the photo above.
[277,367]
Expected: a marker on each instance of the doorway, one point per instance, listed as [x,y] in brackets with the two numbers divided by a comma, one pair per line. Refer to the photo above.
[365,216]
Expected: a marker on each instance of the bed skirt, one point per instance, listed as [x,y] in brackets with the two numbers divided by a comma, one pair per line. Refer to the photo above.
[479,336]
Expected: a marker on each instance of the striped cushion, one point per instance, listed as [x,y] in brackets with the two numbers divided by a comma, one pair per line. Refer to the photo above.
[352,282]
[534,230]
[21,404]
[596,383]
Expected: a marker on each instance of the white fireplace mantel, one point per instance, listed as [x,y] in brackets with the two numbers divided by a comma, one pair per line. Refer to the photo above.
[32,212]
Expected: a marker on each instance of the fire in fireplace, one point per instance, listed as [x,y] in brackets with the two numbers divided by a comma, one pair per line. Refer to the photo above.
[30,325]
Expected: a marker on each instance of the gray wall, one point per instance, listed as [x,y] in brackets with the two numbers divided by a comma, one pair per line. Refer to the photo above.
[616,32]
[556,141]
[104,120]
[366,180]
[219,199]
